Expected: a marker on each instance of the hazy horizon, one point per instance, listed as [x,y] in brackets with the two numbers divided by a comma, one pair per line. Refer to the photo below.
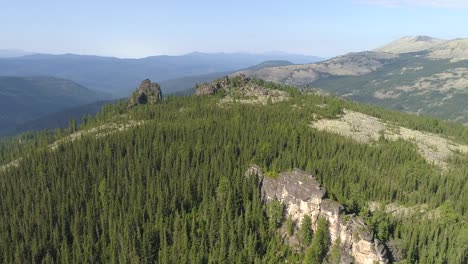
[149,28]
[273,52]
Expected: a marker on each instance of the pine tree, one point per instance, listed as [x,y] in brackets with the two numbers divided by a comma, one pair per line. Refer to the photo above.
[305,231]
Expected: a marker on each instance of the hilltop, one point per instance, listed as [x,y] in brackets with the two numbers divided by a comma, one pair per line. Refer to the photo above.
[411,44]
[166,182]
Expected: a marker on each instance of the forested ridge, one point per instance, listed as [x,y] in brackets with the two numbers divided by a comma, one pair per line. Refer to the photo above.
[173,189]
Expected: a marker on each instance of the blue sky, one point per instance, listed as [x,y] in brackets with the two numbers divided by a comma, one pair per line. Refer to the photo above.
[142,27]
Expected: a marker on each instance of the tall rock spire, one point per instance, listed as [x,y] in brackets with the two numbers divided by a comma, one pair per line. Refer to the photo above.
[148,93]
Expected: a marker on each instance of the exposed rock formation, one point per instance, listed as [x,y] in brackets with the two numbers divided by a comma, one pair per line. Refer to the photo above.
[147,93]
[212,88]
[303,195]
[241,89]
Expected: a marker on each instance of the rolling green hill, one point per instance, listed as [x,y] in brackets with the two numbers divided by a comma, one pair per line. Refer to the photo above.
[166,183]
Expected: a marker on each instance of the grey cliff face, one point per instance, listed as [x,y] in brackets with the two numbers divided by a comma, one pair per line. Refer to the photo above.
[302,194]
[147,93]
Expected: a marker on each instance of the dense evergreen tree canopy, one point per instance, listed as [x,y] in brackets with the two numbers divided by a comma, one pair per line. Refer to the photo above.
[173,189]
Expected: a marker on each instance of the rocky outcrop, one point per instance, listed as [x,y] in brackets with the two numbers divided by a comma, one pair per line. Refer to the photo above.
[212,88]
[147,93]
[303,195]
[238,81]
[241,89]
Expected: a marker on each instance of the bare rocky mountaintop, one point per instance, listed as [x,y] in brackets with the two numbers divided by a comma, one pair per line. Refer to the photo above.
[411,44]
[454,50]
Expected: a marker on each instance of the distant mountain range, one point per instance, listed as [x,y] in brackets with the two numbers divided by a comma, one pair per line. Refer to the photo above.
[418,74]
[23,99]
[118,76]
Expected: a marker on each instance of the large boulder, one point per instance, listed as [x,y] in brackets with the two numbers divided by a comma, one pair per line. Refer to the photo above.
[147,93]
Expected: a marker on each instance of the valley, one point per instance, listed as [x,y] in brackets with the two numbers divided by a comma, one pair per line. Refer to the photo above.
[24,99]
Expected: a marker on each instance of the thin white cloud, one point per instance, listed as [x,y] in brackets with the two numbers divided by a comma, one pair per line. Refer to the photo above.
[413,3]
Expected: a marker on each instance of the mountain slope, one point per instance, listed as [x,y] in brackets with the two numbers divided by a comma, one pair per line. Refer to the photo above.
[116,76]
[454,50]
[411,44]
[166,183]
[27,98]
[437,88]
[432,81]
[354,64]
[55,120]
